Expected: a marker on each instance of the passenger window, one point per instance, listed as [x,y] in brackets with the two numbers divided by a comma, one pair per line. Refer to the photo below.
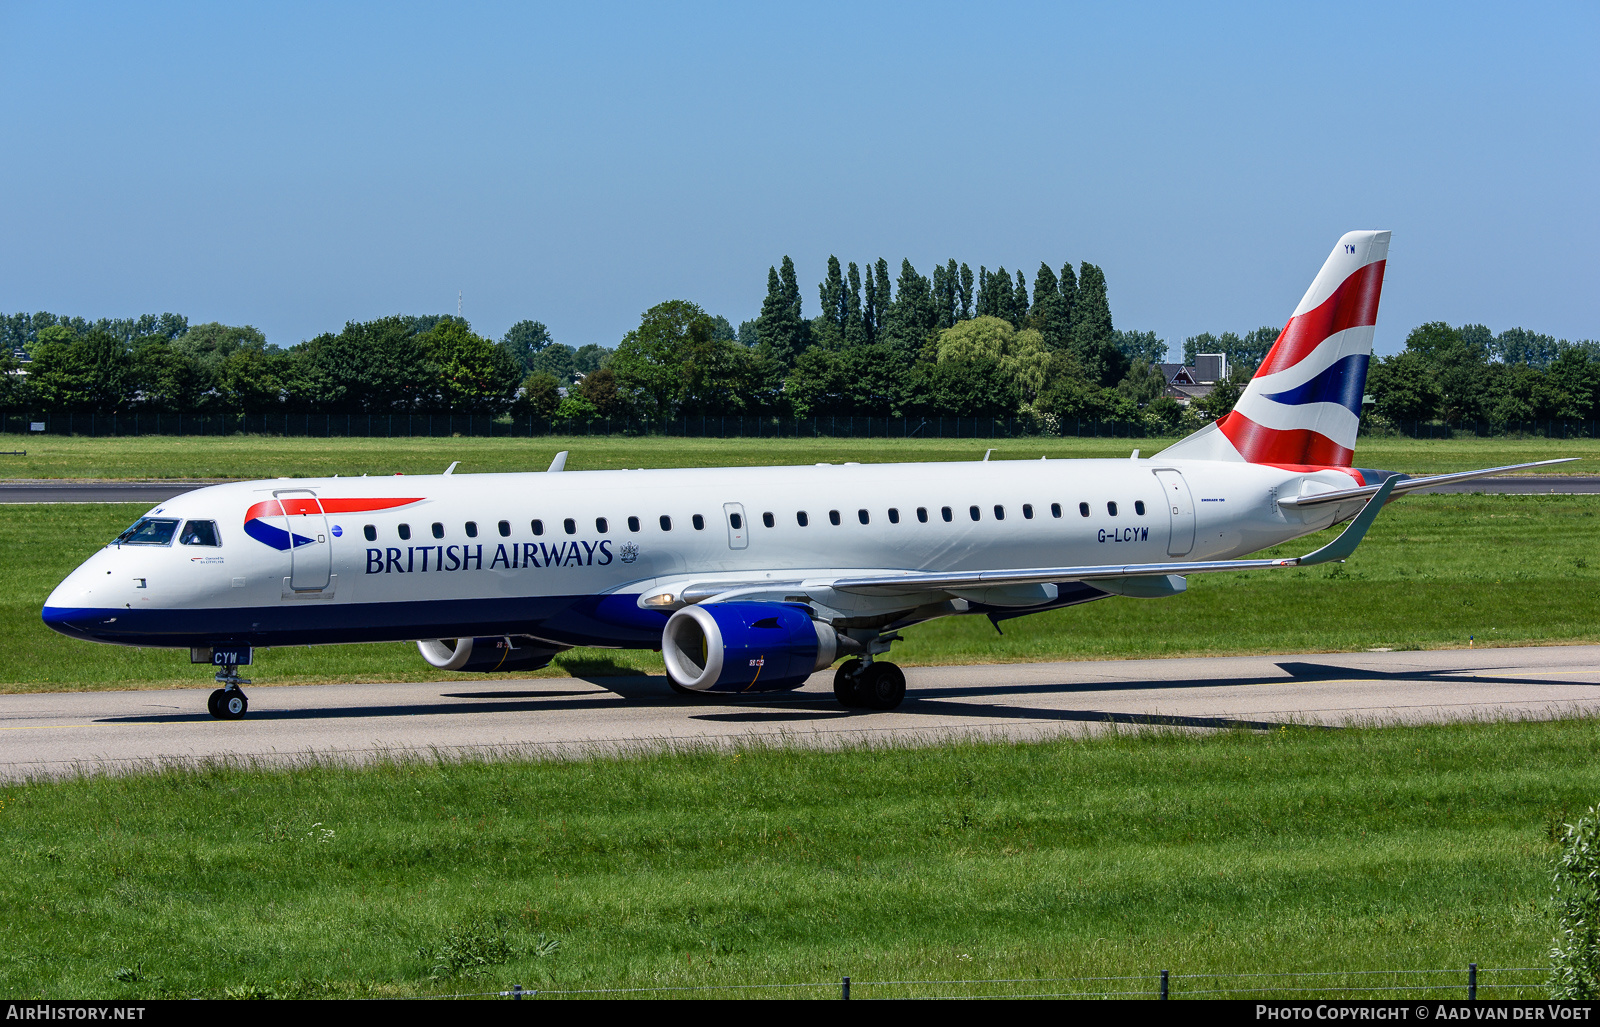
[666,523]
[438,530]
[974,512]
[999,512]
[200,533]
[1138,507]
[600,525]
[736,521]
[922,514]
[801,518]
[863,516]
[371,532]
[472,529]
[1027,511]
[1055,509]
[833,517]
[570,526]
[894,516]
[538,527]
[944,511]
[1111,508]
[633,524]
[505,529]
[1083,508]
[699,522]
[405,532]
[768,519]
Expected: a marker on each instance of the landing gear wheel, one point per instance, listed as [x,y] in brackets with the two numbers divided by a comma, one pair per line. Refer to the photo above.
[680,689]
[228,704]
[881,687]
[847,683]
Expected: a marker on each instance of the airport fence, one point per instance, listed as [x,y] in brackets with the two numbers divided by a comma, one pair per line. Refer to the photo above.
[1456,984]
[449,425]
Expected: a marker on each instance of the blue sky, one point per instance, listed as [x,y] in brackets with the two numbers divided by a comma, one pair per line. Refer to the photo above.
[295,166]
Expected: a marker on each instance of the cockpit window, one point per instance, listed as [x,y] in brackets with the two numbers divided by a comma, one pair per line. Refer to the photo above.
[200,533]
[149,531]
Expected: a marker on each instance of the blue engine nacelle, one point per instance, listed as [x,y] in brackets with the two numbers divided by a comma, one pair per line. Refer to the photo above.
[745,647]
[486,655]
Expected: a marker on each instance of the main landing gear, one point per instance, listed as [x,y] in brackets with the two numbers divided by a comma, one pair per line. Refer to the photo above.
[870,686]
[228,702]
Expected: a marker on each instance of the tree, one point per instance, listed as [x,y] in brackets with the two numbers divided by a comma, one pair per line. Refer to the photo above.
[880,297]
[557,360]
[1071,392]
[164,377]
[1069,300]
[1021,355]
[1220,401]
[1459,364]
[721,330]
[855,380]
[966,292]
[782,332]
[599,390]
[474,375]
[831,292]
[14,394]
[524,340]
[1514,345]
[1048,314]
[592,357]
[670,364]
[1403,388]
[1140,347]
[911,317]
[374,366]
[1019,301]
[90,373]
[855,327]
[212,343]
[965,388]
[749,336]
[1092,334]
[539,395]
[257,381]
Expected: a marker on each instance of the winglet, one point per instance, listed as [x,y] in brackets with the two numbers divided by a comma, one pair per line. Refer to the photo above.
[1350,537]
[559,463]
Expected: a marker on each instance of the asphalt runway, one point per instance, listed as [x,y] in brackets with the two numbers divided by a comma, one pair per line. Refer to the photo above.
[74,491]
[59,734]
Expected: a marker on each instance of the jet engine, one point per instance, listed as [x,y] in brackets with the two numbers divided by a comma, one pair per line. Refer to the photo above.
[486,655]
[745,647]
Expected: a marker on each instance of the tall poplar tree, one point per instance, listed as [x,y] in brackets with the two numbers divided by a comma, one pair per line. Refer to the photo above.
[912,315]
[1003,304]
[880,302]
[832,294]
[855,329]
[869,309]
[1046,315]
[1019,301]
[1093,337]
[780,327]
[985,294]
[966,292]
[1069,299]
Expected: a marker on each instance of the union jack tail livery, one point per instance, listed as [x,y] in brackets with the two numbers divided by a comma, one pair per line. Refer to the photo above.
[1303,406]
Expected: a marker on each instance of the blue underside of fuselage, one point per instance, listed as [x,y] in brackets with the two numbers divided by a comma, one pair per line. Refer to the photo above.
[608,621]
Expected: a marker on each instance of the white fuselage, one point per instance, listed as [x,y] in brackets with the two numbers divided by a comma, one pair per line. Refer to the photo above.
[569,557]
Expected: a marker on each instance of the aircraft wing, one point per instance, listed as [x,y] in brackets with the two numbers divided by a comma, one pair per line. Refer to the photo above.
[1410,484]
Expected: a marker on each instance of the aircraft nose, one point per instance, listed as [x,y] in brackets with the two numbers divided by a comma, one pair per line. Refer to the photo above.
[69,607]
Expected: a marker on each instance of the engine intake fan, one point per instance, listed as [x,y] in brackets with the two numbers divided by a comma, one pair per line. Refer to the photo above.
[486,655]
[745,647]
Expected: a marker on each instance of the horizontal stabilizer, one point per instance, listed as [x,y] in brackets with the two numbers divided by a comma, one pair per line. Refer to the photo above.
[1411,484]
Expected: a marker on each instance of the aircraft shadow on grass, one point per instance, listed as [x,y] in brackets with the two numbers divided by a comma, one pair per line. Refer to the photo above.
[651,692]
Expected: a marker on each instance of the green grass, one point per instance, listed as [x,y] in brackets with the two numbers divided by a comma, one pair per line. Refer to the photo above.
[52,456]
[1295,850]
[1434,570]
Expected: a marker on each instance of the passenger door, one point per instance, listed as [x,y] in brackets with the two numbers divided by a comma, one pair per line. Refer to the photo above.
[1180,508]
[310,551]
[738,526]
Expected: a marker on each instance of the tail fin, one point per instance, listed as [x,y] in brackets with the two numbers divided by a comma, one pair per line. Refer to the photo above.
[1304,404]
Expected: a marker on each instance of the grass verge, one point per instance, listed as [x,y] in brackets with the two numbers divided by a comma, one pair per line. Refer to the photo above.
[246,456]
[1345,851]
[1433,571]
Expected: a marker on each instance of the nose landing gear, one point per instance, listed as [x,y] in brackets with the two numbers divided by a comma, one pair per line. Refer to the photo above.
[228,702]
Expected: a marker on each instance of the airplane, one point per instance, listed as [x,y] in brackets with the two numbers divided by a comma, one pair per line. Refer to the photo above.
[752,579]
